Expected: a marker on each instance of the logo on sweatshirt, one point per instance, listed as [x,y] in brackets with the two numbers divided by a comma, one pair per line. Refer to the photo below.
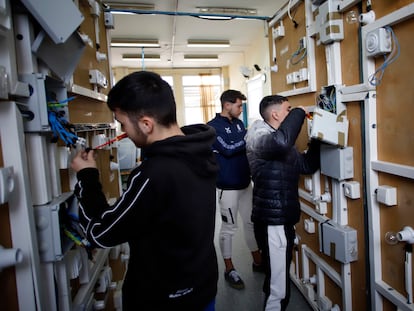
[228,130]
[180,292]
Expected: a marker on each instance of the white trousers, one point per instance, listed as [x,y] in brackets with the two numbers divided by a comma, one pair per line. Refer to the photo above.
[277,253]
[232,203]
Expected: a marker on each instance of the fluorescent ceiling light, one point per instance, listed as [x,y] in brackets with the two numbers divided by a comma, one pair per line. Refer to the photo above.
[208,43]
[134,43]
[200,58]
[138,57]
[226,10]
[215,17]
[130,6]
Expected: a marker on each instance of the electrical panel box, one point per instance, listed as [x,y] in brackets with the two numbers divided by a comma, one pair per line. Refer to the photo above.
[338,242]
[352,189]
[109,20]
[51,221]
[329,22]
[97,78]
[309,225]
[59,27]
[35,108]
[378,42]
[63,58]
[329,122]
[329,127]
[337,162]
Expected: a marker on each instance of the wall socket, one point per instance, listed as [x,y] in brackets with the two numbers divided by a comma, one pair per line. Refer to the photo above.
[387,195]
[278,32]
[352,189]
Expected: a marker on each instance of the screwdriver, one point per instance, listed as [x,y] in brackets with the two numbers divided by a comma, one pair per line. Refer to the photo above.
[119,137]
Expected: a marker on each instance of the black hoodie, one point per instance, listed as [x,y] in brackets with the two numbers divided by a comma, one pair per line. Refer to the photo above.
[167,215]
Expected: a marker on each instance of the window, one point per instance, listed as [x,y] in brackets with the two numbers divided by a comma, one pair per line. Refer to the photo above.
[201,97]
[169,80]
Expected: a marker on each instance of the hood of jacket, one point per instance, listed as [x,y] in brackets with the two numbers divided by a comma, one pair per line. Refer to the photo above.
[195,147]
[256,130]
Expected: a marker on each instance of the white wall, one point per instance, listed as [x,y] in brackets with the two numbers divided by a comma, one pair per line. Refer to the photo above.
[257,54]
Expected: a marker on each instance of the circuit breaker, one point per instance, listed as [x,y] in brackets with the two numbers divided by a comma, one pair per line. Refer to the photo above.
[339,242]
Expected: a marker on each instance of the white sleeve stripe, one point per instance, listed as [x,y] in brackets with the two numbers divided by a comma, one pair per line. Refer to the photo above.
[123,197]
[120,216]
[94,239]
[81,189]
[83,212]
[227,146]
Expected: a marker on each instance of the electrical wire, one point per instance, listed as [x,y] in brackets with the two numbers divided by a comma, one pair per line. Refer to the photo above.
[327,101]
[290,16]
[298,55]
[61,103]
[61,128]
[376,78]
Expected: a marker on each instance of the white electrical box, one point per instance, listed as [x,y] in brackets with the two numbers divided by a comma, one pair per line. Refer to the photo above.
[338,242]
[50,221]
[329,121]
[61,58]
[309,225]
[303,72]
[330,127]
[6,183]
[329,22]
[290,77]
[324,303]
[387,195]
[378,42]
[337,162]
[109,20]
[278,32]
[352,189]
[98,78]
[59,27]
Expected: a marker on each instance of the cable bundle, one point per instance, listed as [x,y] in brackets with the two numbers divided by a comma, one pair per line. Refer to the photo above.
[60,127]
[327,100]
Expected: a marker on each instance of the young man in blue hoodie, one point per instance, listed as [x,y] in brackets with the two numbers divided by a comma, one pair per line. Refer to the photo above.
[234,188]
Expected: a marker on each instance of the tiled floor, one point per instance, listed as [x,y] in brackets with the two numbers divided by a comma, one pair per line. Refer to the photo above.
[251,297]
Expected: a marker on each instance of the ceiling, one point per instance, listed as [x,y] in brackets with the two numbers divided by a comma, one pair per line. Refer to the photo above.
[176,21]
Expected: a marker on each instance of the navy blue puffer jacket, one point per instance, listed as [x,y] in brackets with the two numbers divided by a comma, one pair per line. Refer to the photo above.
[276,165]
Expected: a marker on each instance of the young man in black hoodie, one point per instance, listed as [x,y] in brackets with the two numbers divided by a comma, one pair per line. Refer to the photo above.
[167,212]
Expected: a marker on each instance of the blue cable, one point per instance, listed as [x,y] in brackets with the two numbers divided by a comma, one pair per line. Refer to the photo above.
[60,128]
